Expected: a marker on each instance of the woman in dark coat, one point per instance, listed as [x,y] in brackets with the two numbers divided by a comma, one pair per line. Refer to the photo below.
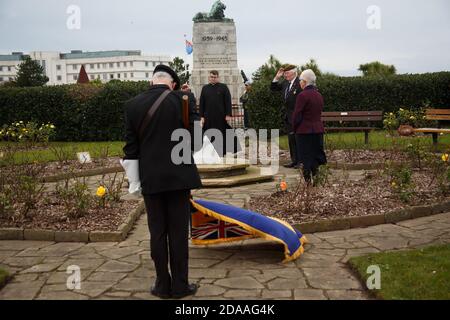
[308,126]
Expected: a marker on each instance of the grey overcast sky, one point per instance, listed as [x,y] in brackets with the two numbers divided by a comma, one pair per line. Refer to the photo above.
[414,35]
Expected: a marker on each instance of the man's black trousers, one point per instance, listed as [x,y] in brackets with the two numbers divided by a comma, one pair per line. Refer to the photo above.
[168,216]
[293,149]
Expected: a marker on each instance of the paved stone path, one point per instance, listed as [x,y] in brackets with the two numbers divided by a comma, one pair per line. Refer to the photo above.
[250,269]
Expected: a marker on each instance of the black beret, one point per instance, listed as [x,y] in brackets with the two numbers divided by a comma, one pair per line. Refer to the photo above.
[172,73]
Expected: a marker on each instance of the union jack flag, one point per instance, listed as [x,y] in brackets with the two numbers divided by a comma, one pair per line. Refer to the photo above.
[217,230]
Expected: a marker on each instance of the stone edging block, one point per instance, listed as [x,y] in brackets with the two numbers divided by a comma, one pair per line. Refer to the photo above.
[371,220]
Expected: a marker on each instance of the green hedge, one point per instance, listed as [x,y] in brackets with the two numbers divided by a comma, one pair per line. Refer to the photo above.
[357,93]
[79,112]
[95,113]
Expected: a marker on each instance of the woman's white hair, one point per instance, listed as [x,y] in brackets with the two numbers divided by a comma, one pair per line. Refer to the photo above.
[308,76]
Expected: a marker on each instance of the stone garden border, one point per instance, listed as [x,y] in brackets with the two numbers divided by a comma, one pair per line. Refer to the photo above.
[372,220]
[75,236]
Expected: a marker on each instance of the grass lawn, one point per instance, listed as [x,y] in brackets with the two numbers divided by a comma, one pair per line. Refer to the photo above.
[378,140]
[421,274]
[3,277]
[69,150]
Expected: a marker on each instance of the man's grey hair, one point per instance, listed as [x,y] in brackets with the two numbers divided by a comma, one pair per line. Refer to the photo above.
[161,75]
[308,76]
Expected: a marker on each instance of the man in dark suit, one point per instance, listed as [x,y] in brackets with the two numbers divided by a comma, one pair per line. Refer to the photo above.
[290,88]
[165,185]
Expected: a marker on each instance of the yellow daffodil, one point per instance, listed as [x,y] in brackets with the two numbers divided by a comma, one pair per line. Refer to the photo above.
[101,191]
[445,157]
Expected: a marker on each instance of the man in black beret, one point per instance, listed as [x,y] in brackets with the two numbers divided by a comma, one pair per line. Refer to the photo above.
[165,185]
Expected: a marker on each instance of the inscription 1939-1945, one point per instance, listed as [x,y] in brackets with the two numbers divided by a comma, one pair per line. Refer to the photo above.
[214,38]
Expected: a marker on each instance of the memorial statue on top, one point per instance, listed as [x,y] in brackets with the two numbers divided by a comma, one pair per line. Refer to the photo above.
[216,14]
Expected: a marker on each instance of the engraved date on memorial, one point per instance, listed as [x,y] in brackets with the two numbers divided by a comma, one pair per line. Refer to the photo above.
[214,61]
[214,38]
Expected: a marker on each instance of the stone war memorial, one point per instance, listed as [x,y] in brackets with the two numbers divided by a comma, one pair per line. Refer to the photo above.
[215,42]
[340,191]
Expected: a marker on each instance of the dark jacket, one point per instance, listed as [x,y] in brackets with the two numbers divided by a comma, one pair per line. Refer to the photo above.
[215,104]
[156,170]
[289,99]
[308,112]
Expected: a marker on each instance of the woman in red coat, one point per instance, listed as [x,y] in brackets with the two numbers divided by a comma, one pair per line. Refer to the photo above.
[308,126]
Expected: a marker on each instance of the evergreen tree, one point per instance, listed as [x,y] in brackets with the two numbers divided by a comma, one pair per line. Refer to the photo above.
[268,70]
[311,64]
[30,74]
[377,69]
[181,69]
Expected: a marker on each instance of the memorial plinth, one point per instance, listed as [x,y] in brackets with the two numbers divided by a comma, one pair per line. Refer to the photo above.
[226,175]
[216,49]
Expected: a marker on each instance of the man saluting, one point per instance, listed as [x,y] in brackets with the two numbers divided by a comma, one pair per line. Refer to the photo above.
[290,88]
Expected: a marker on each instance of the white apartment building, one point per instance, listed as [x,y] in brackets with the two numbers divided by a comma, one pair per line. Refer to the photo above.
[64,68]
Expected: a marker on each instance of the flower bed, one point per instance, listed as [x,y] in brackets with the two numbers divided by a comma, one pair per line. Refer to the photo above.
[342,198]
[51,215]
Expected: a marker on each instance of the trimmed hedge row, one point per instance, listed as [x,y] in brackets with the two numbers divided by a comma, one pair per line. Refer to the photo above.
[95,113]
[357,93]
[79,112]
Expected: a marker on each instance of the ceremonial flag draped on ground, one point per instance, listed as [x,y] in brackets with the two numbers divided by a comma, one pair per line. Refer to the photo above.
[214,223]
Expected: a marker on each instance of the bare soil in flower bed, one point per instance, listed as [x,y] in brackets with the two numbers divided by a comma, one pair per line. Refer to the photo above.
[339,199]
[50,215]
[53,168]
[357,156]
[365,156]
[73,166]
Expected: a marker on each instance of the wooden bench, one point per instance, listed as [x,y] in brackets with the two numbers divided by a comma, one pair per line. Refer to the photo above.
[353,116]
[439,115]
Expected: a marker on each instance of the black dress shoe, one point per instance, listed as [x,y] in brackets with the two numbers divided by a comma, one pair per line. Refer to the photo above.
[162,295]
[290,165]
[191,289]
